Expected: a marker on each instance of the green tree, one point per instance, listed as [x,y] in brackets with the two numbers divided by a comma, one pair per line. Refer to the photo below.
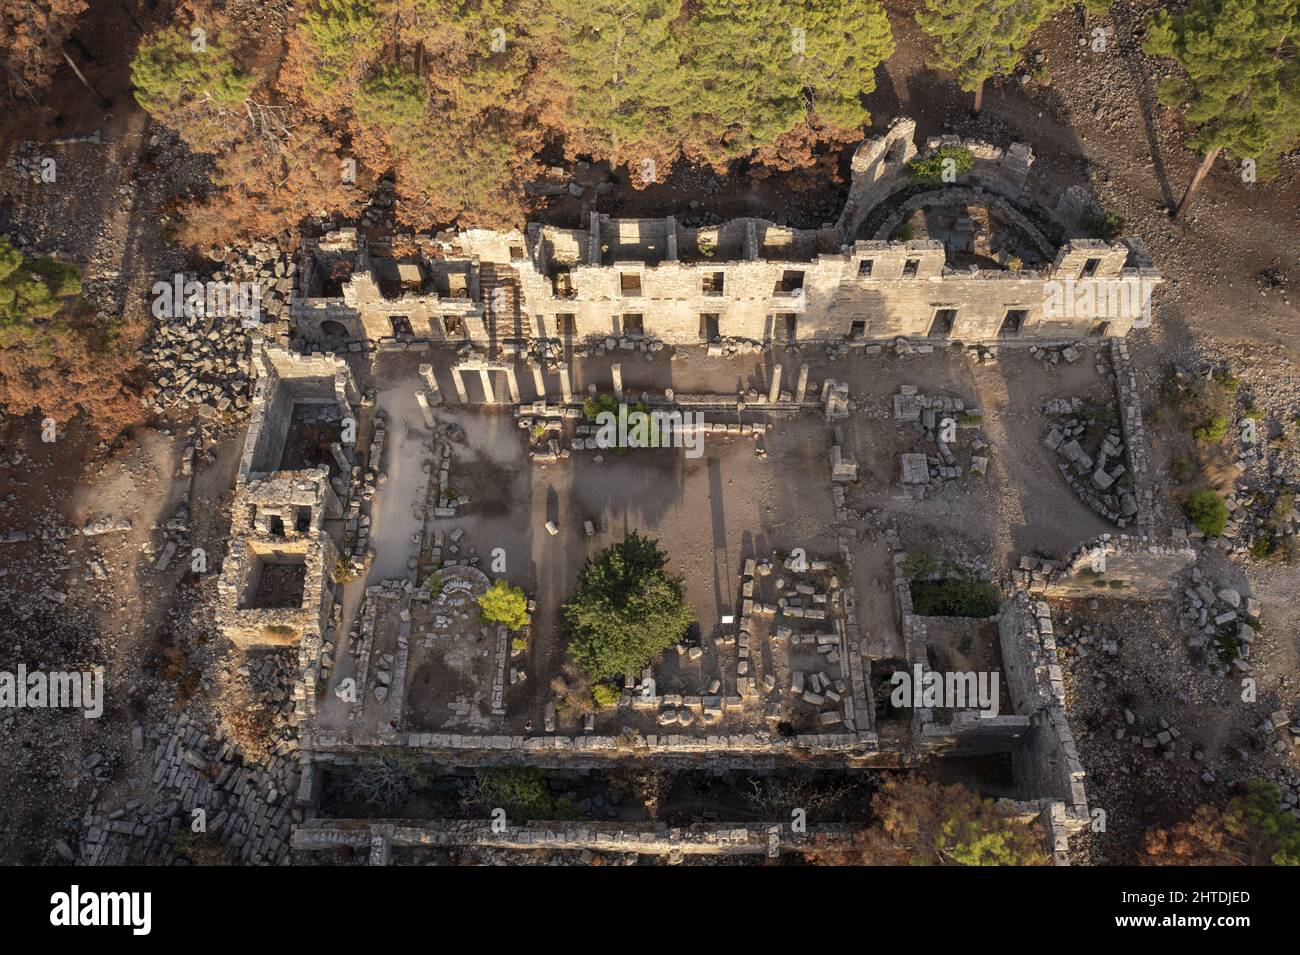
[340,37]
[617,79]
[1254,829]
[927,823]
[930,169]
[393,100]
[1242,83]
[195,88]
[626,609]
[522,792]
[717,80]
[1207,511]
[770,73]
[32,289]
[1265,822]
[975,41]
[505,605]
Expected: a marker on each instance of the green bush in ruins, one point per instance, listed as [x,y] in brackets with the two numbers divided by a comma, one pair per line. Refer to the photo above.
[32,289]
[1207,511]
[954,160]
[626,609]
[505,605]
[953,597]
[522,792]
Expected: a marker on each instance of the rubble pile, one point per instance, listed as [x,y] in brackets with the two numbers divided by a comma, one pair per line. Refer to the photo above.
[1088,436]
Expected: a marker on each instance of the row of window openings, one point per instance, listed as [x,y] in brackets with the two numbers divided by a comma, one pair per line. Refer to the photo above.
[453,326]
[275,523]
[791,282]
[712,283]
[784,325]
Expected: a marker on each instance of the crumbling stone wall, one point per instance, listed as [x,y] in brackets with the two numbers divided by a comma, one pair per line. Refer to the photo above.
[1046,761]
[269,503]
[1119,566]
[653,277]
[649,838]
[966,733]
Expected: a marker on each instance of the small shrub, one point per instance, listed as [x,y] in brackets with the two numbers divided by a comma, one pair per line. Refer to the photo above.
[1207,511]
[522,792]
[1226,379]
[602,694]
[953,597]
[505,605]
[344,572]
[930,169]
[1103,225]
[1212,432]
[594,405]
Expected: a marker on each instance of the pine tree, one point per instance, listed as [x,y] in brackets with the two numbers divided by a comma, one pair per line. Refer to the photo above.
[194,87]
[760,72]
[616,80]
[976,41]
[1242,88]
[32,289]
[927,823]
[339,38]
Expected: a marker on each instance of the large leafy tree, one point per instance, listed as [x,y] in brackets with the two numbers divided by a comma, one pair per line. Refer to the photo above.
[1241,93]
[976,41]
[626,610]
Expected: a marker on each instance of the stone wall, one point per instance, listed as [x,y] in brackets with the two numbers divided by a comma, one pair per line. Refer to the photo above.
[967,733]
[268,502]
[761,281]
[1046,761]
[1117,566]
[378,837]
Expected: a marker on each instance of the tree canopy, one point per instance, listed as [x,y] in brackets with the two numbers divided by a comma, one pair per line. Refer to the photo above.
[930,824]
[32,289]
[195,88]
[1254,829]
[1241,89]
[976,41]
[626,609]
[505,605]
[456,99]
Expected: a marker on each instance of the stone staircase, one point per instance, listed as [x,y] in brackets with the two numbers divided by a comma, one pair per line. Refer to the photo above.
[505,320]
